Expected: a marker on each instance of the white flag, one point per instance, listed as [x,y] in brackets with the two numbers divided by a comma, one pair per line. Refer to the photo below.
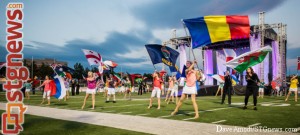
[92,57]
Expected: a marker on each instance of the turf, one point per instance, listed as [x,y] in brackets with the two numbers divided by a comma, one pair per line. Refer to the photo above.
[210,109]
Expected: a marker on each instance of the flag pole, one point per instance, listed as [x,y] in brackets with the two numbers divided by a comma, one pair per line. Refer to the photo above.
[32,67]
[186,33]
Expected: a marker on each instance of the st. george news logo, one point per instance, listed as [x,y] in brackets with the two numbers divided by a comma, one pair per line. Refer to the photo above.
[16,73]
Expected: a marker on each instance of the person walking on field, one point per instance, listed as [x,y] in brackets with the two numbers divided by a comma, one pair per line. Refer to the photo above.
[189,88]
[47,90]
[227,88]
[293,88]
[156,89]
[252,87]
[91,89]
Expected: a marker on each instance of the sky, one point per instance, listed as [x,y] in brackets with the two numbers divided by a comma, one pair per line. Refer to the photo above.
[119,29]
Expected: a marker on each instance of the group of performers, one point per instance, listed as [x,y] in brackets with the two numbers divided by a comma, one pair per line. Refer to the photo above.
[254,87]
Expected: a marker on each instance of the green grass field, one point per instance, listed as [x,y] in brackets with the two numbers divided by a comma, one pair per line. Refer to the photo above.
[273,112]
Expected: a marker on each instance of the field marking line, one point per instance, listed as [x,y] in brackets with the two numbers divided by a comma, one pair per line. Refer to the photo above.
[256,124]
[189,119]
[220,121]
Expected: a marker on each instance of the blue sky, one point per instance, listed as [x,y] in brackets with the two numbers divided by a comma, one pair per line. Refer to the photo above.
[119,29]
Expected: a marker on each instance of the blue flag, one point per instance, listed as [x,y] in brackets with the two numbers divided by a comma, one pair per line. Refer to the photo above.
[163,54]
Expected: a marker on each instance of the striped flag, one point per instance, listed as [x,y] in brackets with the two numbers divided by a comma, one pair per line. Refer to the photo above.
[298,63]
[60,87]
[92,57]
[211,29]
[2,64]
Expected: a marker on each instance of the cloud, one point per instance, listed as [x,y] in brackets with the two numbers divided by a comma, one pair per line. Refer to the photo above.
[168,13]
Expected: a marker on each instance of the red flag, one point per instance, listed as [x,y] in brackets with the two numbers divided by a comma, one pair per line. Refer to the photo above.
[298,63]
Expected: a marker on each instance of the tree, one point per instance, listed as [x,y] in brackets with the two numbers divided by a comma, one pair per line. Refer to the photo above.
[79,71]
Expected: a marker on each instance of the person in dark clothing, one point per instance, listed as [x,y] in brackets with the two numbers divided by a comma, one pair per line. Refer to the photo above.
[140,85]
[252,87]
[227,88]
[73,85]
[34,84]
[77,87]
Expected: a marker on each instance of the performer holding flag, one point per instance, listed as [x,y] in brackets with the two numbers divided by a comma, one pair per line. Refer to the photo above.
[47,89]
[91,89]
[189,88]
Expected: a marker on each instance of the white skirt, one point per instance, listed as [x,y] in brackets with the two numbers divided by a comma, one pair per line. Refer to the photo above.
[90,91]
[27,90]
[189,90]
[293,89]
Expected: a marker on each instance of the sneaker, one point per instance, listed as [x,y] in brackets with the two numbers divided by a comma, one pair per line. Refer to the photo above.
[106,101]
[245,107]
[114,102]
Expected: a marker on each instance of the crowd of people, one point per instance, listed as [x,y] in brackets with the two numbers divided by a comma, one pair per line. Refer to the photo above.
[108,88]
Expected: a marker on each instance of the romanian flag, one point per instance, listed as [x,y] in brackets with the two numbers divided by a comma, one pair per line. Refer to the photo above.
[211,29]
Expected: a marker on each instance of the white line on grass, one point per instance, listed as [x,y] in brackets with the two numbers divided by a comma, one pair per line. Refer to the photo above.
[220,121]
[124,106]
[189,119]
[256,124]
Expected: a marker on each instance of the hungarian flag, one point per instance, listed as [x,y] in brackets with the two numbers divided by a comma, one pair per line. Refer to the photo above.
[249,59]
[2,64]
[117,77]
[92,57]
[298,63]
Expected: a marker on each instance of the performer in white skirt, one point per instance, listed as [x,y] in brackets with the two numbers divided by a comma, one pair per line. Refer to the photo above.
[91,89]
[189,88]
[293,88]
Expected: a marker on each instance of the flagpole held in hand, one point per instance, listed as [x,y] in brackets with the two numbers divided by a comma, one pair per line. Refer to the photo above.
[184,27]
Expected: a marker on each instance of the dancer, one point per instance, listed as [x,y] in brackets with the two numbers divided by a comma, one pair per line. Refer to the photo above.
[91,89]
[111,89]
[227,88]
[261,89]
[174,91]
[171,86]
[189,88]
[128,88]
[27,86]
[252,87]
[47,90]
[293,88]
[156,89]
[220,88]
[67,85]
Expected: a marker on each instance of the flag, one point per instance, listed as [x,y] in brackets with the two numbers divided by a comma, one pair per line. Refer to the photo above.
[92,57]
[298,63]
[57,68]
[60,87]
[249,59]
[230,54]
[117,77]
[211,29]
[182,56]
[163,54]
[110,63]
[2,64]
[219,78]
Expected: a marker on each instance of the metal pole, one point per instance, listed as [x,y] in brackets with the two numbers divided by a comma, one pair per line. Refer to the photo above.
[32,67]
